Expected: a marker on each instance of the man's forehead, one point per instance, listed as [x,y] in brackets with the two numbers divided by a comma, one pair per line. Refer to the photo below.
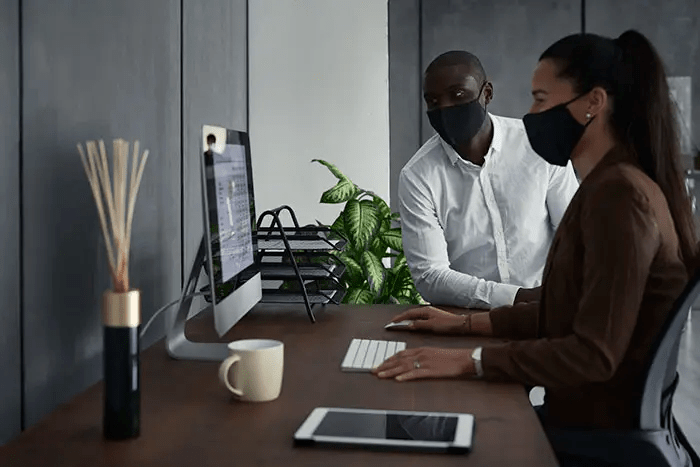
[450,75]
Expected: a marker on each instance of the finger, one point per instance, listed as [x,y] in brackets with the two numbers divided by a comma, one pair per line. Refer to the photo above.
[412,314]
[421,325]
[390,371]
[416,373]
[408,353]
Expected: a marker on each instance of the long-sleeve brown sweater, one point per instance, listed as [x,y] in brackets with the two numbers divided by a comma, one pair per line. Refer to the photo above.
[611,278]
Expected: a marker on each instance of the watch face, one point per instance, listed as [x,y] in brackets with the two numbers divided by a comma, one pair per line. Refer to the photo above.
[476,353]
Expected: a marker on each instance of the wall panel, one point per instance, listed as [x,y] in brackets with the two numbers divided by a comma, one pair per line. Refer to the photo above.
[10,347]
[98,69]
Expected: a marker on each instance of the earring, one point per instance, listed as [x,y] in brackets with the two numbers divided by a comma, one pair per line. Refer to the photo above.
[588,116]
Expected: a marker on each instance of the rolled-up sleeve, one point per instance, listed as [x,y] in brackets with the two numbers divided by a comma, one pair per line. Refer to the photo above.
[426,253]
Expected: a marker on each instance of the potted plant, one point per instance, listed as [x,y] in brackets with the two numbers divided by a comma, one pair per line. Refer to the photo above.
[373,244]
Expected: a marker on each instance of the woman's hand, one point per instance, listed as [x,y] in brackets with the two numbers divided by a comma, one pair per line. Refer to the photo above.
[427,362]
[428,318]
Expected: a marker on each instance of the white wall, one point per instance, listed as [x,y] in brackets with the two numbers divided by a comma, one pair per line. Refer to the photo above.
[318,89]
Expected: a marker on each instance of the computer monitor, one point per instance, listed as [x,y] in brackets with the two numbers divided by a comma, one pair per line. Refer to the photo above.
[229,225]
[228,251]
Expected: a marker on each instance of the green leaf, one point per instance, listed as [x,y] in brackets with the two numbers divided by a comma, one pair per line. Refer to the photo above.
[334,170]
[382,207]
[403,300]
[359,296]
[375,272]
[352,268]
[343,191]
[338,227]
[389,283]
[361,222]
[378,248]
[400,263]
[392,239]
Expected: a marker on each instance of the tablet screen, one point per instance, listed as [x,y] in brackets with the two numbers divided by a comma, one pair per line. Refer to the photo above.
[387,426]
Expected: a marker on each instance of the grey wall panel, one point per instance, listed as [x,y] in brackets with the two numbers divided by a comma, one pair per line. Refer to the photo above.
[215,84]
[673,26]
[508,37]
[405,94]
[10,359]
[98,69]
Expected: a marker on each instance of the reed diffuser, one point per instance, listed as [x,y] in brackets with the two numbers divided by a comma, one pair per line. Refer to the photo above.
[121,306]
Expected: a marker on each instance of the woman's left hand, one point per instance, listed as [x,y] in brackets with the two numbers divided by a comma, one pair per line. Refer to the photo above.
[427,362]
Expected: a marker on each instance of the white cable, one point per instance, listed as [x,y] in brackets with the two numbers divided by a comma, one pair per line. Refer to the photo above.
[162,309]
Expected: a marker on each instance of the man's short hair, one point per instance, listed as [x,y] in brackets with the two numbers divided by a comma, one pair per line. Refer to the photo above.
[459,57]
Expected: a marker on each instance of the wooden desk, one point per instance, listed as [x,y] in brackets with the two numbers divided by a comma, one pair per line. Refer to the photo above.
[189,419]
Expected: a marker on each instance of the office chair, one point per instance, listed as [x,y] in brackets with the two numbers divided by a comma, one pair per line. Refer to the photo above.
[658,439]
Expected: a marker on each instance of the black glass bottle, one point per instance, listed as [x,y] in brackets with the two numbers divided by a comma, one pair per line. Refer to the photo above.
[122,393]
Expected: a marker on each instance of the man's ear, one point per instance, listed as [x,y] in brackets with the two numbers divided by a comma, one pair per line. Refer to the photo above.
[488,92]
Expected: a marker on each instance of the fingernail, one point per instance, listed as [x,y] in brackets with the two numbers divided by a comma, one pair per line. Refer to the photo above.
[400,378]
[381,374]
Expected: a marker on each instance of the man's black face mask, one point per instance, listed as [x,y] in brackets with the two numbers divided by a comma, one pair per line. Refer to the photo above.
[458,124]
[554,133]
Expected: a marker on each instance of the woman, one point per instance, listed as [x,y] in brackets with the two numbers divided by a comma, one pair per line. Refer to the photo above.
[621,255]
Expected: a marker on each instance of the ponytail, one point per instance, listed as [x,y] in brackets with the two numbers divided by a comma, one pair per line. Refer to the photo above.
[644,121]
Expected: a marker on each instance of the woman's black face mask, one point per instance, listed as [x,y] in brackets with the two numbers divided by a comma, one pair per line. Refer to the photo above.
[554,133]
[457,125]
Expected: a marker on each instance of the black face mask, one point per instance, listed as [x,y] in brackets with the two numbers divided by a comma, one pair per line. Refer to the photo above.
[554,133]
[458,124]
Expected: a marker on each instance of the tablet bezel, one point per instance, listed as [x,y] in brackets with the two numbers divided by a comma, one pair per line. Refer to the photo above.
[461,443]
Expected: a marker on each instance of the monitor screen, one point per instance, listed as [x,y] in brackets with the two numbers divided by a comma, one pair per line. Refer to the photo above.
[231,209]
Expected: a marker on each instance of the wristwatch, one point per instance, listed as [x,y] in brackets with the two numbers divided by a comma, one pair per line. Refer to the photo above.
[476,356]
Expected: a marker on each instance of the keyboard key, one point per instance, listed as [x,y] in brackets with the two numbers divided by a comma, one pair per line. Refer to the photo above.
[361,352]
[369,358]
[400,346]
[379,356]
[390,349]
[350,355]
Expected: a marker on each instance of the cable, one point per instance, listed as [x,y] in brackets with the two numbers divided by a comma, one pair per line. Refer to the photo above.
[162,309]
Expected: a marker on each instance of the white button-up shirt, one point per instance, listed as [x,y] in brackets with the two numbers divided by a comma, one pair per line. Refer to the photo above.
[473,235]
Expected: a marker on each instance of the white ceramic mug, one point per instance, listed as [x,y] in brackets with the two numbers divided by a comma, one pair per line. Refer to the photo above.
[257,369]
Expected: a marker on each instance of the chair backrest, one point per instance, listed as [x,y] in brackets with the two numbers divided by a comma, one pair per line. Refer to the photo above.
[661,370]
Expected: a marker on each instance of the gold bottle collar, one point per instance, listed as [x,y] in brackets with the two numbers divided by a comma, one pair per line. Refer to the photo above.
[121,309]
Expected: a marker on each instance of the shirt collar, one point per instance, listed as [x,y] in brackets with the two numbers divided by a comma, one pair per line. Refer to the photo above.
[496,143]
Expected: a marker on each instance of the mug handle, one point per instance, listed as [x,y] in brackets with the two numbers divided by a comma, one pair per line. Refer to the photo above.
[224,370]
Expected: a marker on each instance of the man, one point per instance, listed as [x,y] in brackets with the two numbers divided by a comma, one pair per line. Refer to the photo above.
[478,206]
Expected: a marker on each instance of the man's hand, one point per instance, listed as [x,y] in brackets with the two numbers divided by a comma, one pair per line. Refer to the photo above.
[431,319]
[528,295]
[427,362]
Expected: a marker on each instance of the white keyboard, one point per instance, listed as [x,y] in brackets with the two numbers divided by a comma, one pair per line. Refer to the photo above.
[365,354]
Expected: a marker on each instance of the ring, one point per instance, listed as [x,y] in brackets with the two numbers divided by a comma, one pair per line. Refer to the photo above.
[416,364]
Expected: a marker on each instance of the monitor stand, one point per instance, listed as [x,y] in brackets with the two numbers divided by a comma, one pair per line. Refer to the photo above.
[176,342]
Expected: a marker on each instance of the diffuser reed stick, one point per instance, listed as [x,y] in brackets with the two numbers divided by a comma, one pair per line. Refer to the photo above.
[115,197]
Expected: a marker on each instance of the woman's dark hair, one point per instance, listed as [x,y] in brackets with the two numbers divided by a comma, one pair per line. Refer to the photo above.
[642,118]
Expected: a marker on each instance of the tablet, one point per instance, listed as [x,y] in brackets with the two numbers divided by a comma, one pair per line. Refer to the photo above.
[388,430]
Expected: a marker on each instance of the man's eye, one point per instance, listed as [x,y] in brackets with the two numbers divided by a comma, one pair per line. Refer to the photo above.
[459,93]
